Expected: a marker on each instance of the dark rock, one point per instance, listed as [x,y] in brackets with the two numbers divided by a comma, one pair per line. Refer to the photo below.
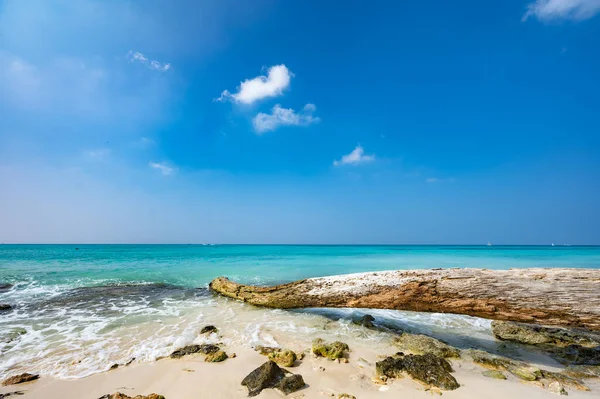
[114,366]
[581,371]
[19,379]
[269,375]
[5,307]
[429,369]
[209,330]
[119,395]
[16,393]
[576,355]
[216,357]
[191,349]
[291,384]
[564,380]
[335,350]
[532,334]
[5,287]
[421,344]
[365,321]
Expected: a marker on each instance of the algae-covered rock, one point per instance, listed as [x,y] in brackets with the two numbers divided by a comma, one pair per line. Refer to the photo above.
[291,384]
[5,307]
[532,334]
[191,349]
[520,370]
[19,379]
[7,394]
[335,350]
[268,375]
[420,344]
[495,374]
[577,355]
[526,373]
[564,380]
[429,369]
[209,330]
[284,357]
[346,396]
[582,371]
[119,395]
[365,321]
[216,357]
[557,388]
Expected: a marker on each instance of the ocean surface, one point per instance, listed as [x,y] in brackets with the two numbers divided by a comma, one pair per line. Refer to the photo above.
[78,309]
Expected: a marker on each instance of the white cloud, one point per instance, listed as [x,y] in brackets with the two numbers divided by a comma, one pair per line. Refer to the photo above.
[356,157]
[438,180]
[251,90]
[139,57]
[98,154]
[165,169]
[553,10]
[284,117]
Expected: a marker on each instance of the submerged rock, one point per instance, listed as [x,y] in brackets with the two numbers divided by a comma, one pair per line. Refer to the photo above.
[335,350]
[191,349]
[5,307]
[209,330]
[19,379]
[429,369]
[268,375]
[532,334]
[291,384]
[119,395]
[421,344]
[5,287]
[365,321]
[216,357]
[498,375]
[576,355]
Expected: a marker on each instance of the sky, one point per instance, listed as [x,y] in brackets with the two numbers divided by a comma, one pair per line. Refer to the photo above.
[325,122]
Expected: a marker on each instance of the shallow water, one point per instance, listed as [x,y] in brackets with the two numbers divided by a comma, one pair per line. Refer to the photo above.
[78,311]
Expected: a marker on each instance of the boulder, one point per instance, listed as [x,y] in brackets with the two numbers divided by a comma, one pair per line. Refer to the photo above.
[498,375]
[216,357]
[421,344]
[119,395]
[268,375]
[335,350]
[429,369]
[576,355]
[283,357]
[5,287]
[5,307]
[209,330]
[191,349]
[291,384]
[365,321]
[19,379]
[532,334]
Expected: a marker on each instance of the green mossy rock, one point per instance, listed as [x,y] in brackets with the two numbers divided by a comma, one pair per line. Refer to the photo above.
[291,384]
[216,357]
[335,350]
[429,369]
[421,344]
[284,357]
[495,374]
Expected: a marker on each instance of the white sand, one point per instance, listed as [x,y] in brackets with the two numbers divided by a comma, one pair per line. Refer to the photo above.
[192,378]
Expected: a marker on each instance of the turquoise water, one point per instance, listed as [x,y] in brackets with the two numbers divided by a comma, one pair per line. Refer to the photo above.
[78,309]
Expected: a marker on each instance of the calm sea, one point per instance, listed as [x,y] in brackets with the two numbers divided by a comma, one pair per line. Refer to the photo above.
[78,309]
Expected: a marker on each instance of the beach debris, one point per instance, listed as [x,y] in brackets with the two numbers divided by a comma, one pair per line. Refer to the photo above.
[319,368]
[420,344]
[216,357]
[498,375]
[429,369]
[333,351]
[209,330]
[206,349]
[365,321]
[119,395]
[5,307]
[291,384]
[557,388]
[519,295]
[533,334]
[19,379]
[523,370]
[270,375]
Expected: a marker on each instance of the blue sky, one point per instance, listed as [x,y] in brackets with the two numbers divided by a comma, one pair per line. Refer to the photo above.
[271,121]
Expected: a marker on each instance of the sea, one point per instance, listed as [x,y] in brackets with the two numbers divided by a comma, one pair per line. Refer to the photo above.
[79,309]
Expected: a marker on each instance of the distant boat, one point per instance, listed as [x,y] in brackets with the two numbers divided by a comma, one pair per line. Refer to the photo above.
[552,244]
[489,244]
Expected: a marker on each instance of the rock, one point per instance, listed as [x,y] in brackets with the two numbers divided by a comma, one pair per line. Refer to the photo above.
[582,371]
[268,375]
[285,357]
[346,396]
[557,388]
[5,307]
[564,380]
[114,366]
[365,321]
[209,330]
[119,395]
[335,350]
[6,395]
[191,349]
[216,357]
[19,379]
[498,375]
[532,334]
[429,369]
[266,350]
[576,355]
[421,344]
[5,287]
[291,384]
[526,373]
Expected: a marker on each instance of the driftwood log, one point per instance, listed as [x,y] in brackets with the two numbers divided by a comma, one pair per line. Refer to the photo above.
[554,297]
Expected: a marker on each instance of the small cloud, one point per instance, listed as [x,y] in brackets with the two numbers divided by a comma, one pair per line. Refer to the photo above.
[356,157]
[165,169]
[284,117]
[97,154]
[556,10]
[155,65]
[438,180]
[251,90]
